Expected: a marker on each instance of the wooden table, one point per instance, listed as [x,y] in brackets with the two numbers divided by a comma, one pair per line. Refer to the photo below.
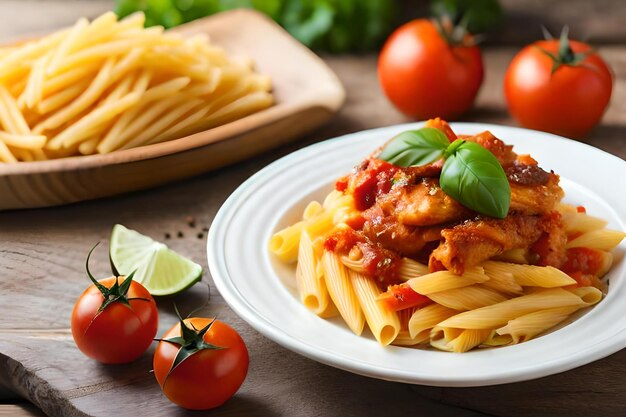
[39,247]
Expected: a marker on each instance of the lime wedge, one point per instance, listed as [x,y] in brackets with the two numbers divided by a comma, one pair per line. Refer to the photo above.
[158,268]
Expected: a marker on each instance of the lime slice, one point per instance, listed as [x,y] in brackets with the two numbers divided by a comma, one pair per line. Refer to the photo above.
[158,268]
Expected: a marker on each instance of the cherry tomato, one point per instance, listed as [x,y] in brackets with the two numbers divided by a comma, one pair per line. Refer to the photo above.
[208,377]
[424,76]
[120,333]
[566,93]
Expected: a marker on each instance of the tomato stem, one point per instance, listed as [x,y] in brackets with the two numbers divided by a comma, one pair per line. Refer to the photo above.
[565,54]
[455,35]
[191,341]
[118,292]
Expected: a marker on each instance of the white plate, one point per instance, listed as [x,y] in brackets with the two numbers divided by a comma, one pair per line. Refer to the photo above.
[261,289]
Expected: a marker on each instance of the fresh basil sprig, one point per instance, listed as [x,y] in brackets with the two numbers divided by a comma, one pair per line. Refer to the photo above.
[471,174]
[415,147]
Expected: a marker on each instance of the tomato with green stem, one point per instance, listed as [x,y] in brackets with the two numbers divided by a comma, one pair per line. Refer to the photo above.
[115,320]
[200,363]
[427,73]
[559,86]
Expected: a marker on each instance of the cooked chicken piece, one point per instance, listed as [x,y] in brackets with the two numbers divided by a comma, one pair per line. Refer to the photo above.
[425,203]
[536,199]
[475,241]
[391,234]
[503,152]
[422,204]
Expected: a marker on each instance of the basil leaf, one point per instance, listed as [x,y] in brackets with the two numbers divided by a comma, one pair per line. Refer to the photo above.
[475,178]
[415,147]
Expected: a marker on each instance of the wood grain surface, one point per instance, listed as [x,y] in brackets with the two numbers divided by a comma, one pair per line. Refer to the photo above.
[41,273]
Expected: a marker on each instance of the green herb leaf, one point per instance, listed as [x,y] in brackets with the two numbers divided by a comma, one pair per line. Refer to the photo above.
[332,25]
[415,147]
[475,178]
[478,16]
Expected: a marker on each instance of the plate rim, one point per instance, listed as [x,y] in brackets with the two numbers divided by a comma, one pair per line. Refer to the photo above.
[225,285]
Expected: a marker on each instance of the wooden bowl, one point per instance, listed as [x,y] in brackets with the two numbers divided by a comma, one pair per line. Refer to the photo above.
[306,91]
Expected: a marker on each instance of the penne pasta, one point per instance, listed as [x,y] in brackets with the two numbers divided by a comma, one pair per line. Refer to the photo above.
[311,210]
[528,326]
[582,223]
[444,280]
[515,256]
[503,282]
[404,339]
[411,269]
[342,293]
[425,318]
[384,324]
[467,298]
[284,243]
[589,295]
[478,282]
[604,239]
[311,286]
[458,342]
[530,275]
[497,315]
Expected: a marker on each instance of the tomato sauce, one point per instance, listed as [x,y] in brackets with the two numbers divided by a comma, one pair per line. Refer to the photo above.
[372,180]
[583,260]
[540,250]
[377,261]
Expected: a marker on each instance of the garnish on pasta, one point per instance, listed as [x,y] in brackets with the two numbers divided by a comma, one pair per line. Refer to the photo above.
[453,254]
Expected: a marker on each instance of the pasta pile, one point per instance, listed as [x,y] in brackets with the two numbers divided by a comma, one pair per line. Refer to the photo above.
[496,303]
[107,85]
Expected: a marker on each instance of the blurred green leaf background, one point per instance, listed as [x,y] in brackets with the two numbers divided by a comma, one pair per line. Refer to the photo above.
[329,25]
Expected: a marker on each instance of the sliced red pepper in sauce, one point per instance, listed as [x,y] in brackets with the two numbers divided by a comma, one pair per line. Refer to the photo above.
[402,296]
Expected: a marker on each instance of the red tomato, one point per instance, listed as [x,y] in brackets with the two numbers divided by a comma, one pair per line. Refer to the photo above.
[402,296]
[207,378]
[119,333]
[424,76]
[568,102]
